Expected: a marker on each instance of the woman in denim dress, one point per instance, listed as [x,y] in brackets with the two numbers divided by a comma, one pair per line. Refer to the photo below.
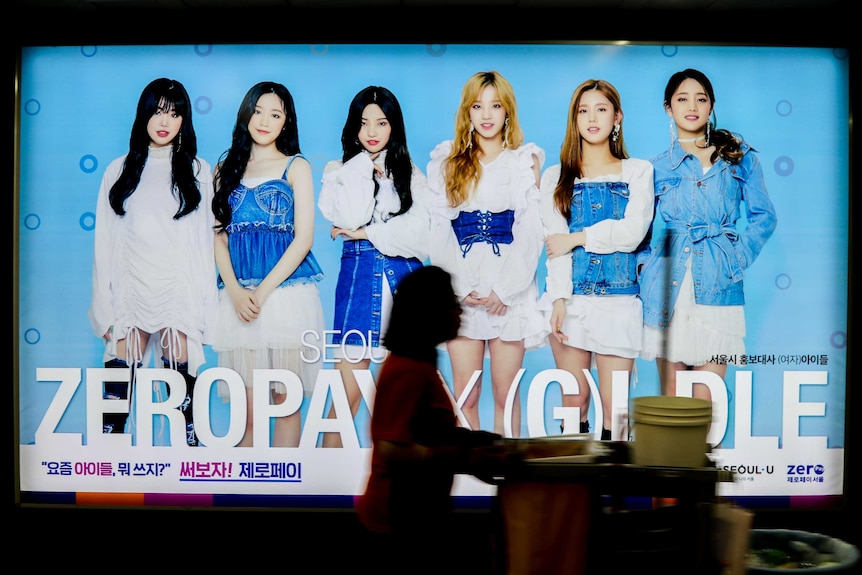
[375,198]
[486,231]
[597,206]
[692,281]
[268,294]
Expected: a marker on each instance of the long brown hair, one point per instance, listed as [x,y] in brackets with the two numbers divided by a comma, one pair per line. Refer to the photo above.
[571,160]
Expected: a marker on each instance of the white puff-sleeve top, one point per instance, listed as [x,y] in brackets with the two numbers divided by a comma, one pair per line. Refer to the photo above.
[507,183]
[150,271]
[347,200]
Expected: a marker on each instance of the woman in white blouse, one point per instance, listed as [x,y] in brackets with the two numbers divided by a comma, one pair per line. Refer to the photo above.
[487,233]
[375,198]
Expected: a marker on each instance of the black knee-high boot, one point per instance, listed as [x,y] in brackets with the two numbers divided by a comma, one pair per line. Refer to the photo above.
[115,422]
[187,407]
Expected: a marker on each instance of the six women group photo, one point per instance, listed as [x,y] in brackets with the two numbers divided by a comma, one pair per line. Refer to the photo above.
[644,257]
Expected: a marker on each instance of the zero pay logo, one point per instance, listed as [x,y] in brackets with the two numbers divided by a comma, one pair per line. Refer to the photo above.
[805,470]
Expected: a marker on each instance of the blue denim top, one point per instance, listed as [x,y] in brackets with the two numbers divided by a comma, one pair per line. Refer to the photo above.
[260,231]
[601,274]
[490,227]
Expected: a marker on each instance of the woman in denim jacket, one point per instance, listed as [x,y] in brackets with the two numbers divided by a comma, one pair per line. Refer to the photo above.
[375,197]
[692,282]
[597,207]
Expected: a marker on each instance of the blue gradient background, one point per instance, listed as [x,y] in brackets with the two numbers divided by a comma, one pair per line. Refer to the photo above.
[792,104]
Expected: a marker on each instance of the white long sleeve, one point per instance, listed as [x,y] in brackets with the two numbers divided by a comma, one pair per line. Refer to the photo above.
[151,271]
[347,200]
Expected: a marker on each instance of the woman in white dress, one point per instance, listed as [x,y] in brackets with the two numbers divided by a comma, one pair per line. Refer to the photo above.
[153,269]
[487,233]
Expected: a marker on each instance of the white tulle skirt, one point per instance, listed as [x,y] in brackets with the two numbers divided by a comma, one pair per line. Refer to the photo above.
[291,319]
[697,333]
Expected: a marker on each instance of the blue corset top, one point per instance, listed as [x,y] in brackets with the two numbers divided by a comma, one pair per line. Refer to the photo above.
[490,227]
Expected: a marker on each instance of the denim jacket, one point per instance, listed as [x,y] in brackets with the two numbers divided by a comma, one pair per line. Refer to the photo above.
[701,213]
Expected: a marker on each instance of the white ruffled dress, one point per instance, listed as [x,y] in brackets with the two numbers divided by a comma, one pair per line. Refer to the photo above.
[507,183]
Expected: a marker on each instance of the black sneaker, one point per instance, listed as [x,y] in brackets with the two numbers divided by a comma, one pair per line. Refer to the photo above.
[585,427]
[606,434]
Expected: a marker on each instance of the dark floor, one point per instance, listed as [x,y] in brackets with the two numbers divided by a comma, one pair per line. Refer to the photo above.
[188,540]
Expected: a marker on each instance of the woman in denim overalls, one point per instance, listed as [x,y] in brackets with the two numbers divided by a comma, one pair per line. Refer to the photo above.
[264,210]
[375,198]
[486,231]
[691,284]
[597,206]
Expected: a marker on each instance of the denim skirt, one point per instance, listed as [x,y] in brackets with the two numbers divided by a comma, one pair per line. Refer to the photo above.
[359,291]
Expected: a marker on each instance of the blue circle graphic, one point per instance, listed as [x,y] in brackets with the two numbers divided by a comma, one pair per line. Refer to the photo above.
[318,161]
[88,164]
[32,336]
[88,221]
[203,105]
[783,108]
[783,165]
[32,221]
[838,339]
[32,107]
[669,51]
[436,50]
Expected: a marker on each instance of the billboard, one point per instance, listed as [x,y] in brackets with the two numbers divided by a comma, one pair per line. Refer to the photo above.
[780,425]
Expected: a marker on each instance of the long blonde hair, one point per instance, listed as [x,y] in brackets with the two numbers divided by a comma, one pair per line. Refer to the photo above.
[463,170]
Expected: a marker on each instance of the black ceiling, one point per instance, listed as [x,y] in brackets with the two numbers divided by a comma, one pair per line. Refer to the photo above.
[786,22]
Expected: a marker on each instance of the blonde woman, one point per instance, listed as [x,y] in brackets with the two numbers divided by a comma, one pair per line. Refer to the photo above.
[487,233]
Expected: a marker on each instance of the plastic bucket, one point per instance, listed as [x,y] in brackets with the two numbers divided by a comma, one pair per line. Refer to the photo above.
[676,438]
[671,405]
